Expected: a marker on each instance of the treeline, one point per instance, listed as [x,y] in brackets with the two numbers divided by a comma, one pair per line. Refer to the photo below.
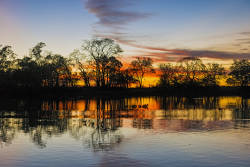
[96,64]
[192,72]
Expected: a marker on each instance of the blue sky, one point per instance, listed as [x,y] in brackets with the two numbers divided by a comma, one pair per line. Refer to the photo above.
[211,29]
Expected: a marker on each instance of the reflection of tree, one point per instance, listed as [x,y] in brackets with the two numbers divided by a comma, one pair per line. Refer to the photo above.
[54,119]
[104,139]
[7,132]
[188,103]
[97,122]
[37,118]
[36,136]
[242,113]
[107,122]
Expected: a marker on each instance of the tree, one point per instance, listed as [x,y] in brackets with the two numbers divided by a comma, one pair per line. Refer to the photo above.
[99,51]
[28,73]
[79,62]
[36,51]
[31,70]
[127,78]
[192,68]
[140,67]
[58,71]
[44,69]
[231,81]
[167,75]
[7,58]
[212,73]
[113,72]
[240,73]
[7,65]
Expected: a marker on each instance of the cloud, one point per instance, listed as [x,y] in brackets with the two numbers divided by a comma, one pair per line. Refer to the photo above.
[218,54]
[243,39]
[245,33]
[159,57]
[246,42]
[124,40]
[173,57]
[113,13]
[160,54]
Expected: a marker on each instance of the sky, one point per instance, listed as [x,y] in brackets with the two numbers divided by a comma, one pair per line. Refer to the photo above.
[165,30]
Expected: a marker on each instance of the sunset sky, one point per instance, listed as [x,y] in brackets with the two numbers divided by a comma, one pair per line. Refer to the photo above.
[165,30]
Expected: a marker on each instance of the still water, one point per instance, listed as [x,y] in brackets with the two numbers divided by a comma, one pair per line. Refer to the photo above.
[139,131]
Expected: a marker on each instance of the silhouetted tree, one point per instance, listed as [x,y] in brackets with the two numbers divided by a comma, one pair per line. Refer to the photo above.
[7,58]
[27,74]
[40,69]
[79,62]
[30,71]
[191,72]
[114,74]
[60,71]
[192,69]
[213,72]
[240,73]
[100,51]
[140,67]
[36,51]
[167,75]
[7,65]
[128,78]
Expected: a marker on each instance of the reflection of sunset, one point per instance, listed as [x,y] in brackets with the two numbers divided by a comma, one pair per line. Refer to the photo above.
[104,116]
[229,101]
[148,108]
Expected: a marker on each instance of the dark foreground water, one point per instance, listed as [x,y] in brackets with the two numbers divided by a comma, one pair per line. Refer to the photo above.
[146,131]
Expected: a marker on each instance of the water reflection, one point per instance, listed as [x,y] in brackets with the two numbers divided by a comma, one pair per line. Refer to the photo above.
[98,121]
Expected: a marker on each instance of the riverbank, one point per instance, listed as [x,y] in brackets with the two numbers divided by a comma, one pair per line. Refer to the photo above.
[120,92]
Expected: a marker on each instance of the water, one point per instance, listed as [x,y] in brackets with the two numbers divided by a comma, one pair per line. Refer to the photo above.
[139,131]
